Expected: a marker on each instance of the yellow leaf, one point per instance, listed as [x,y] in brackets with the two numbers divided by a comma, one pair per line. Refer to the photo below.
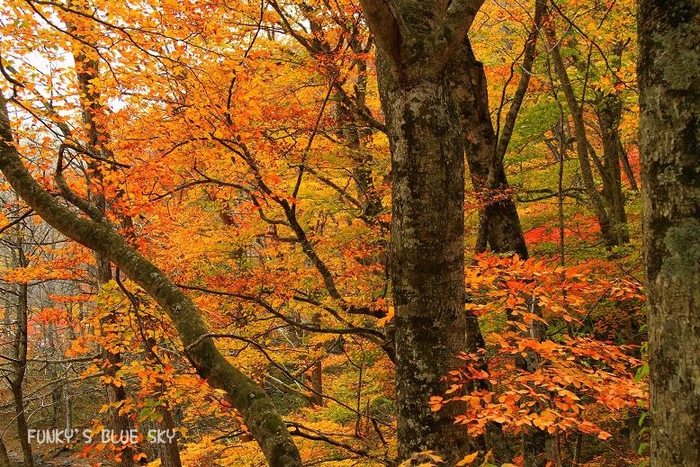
[389,316]
[467,460]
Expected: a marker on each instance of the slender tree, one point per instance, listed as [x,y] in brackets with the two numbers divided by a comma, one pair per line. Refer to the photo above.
[20,345]
[486,146]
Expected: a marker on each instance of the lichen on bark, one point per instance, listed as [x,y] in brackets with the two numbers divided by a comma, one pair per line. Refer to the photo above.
[669,84]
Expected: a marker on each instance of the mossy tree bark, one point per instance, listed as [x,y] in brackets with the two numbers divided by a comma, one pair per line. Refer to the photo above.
[417,40]
[669,136]
[99,235]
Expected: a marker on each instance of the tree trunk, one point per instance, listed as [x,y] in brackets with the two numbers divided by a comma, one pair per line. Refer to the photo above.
[317,372]
[242,392]
[57,391]
[415,40]
[669,135]
[169,452]
[68,411]
[87,71]
[535,440]
[4,458]
[115,393]
[582,146]
[19,365]
[353,136]
[427,261]
[22,427]
[627,167]
[609,113]
[499,224]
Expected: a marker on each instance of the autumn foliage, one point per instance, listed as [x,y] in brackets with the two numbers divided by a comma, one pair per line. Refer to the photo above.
[570,382]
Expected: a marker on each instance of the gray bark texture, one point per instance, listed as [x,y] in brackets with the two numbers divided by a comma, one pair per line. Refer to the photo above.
[243,393]
[427,263]
[669,135]
[415,41]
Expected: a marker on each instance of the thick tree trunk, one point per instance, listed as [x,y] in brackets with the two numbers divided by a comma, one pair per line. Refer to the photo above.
[242,392]
[669,135]
[427,261]
[417,39]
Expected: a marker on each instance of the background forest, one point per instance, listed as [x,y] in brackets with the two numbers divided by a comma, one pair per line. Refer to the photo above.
[241,147]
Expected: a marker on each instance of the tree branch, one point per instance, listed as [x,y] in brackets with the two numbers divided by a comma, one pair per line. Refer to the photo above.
[384,26]
[455,26]
[242,392]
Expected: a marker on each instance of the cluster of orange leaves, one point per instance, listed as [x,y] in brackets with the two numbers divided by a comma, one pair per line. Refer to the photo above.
[577,382]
